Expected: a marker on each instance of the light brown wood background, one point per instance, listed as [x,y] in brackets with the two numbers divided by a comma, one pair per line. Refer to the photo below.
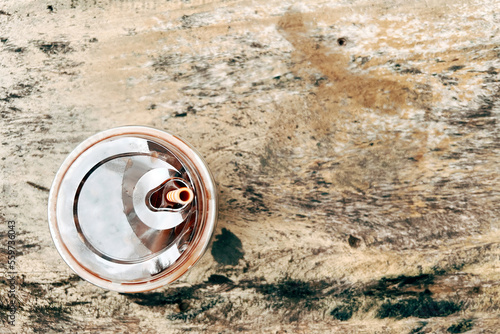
[355,145]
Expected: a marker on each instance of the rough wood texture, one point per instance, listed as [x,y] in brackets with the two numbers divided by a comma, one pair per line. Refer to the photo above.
[355,145]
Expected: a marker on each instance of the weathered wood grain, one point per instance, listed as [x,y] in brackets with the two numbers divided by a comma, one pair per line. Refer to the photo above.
[355,145]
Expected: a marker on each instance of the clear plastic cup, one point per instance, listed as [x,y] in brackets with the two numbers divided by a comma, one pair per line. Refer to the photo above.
[132,208]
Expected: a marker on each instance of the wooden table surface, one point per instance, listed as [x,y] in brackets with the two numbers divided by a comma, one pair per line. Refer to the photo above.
[355,145]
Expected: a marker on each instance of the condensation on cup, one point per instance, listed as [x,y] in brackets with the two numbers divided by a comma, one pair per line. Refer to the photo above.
[132,208]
